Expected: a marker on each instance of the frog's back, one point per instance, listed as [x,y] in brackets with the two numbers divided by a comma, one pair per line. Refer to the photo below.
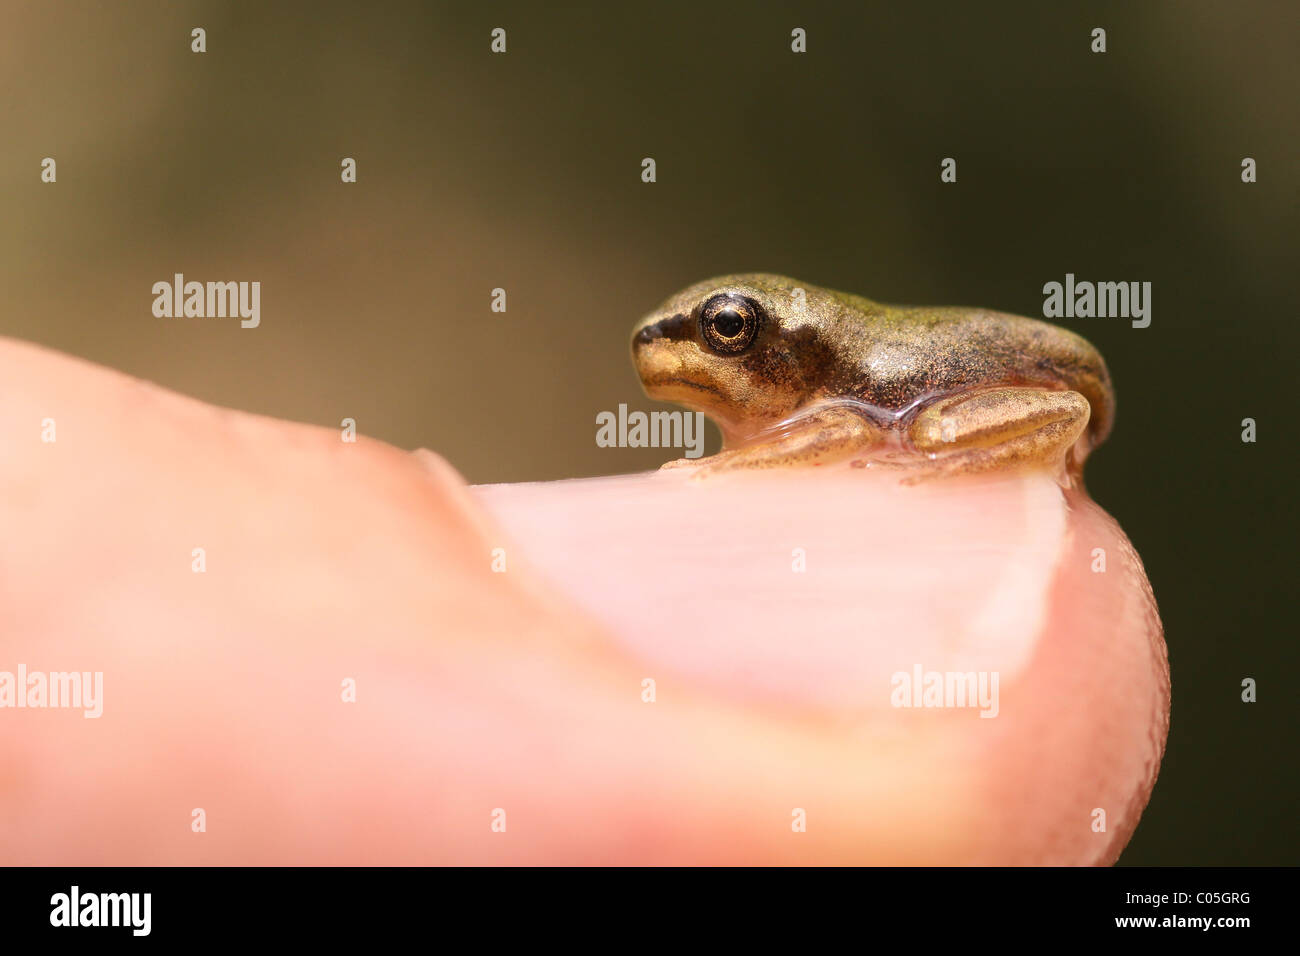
[907,355]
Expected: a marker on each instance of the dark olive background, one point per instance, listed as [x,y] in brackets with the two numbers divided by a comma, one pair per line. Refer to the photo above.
[523,171]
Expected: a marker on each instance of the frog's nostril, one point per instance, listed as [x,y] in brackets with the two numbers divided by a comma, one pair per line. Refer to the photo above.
[674,328]
[647,334]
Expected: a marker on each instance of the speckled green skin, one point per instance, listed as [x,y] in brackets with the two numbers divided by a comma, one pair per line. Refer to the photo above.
[893,359]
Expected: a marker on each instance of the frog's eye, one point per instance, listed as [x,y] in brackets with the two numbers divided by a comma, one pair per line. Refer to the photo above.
[729,323]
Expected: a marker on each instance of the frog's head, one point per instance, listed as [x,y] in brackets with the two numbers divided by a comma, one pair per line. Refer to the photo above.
[747,350]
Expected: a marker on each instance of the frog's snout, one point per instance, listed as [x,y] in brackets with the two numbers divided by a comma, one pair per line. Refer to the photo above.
[650,342]
[656,349]
[642,336]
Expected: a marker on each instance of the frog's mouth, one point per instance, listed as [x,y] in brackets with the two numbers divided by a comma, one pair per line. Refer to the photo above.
[688,384]
[697,396]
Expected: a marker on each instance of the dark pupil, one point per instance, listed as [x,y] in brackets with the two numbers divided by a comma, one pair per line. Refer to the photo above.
[728,323]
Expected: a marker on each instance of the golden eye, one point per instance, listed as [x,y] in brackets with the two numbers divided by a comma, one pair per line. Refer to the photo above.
[729,323]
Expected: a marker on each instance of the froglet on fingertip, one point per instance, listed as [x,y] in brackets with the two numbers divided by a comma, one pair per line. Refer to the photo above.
[798,375]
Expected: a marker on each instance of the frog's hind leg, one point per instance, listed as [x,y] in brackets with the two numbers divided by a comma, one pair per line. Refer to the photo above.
[1002,428]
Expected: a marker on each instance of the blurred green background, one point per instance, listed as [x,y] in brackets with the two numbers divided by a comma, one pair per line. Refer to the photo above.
[522,171]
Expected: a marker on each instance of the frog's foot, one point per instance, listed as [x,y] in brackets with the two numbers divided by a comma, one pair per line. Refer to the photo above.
[1000,428]
[817,438]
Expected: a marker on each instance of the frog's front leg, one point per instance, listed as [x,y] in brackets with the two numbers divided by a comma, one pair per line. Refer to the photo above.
[819,437]
[1000,428]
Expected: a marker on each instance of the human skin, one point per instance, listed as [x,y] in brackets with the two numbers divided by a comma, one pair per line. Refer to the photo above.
[479,690]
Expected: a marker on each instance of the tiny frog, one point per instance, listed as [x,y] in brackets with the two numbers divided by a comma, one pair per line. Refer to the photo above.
[798,375]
